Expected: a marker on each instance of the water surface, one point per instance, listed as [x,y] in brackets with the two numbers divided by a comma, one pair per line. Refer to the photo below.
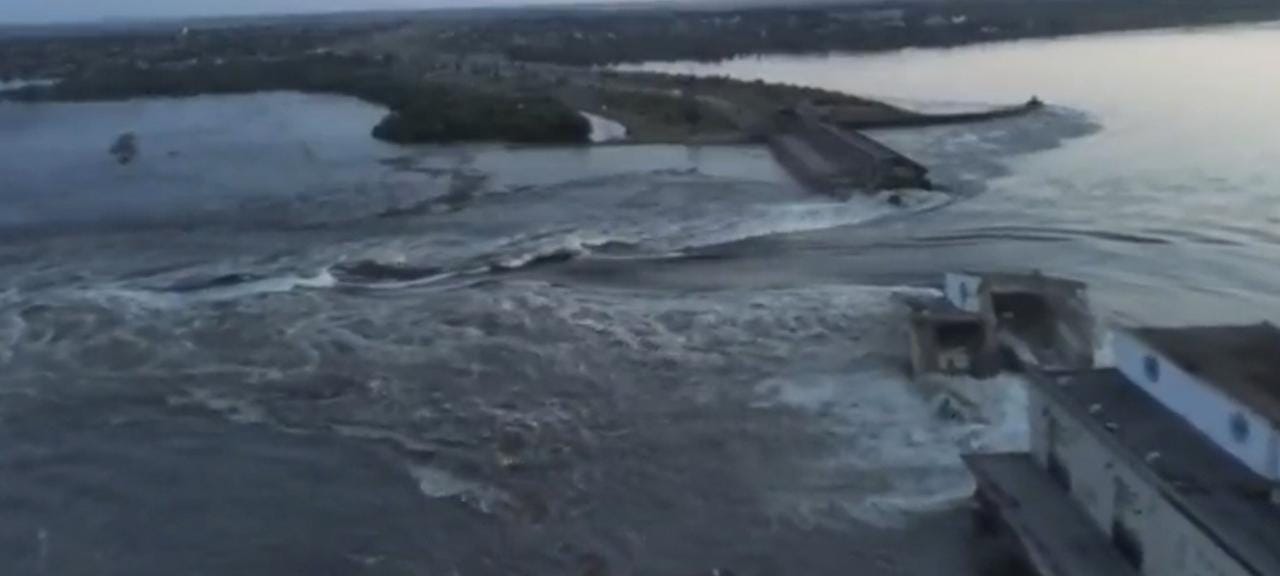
[273,345]
[1169,206]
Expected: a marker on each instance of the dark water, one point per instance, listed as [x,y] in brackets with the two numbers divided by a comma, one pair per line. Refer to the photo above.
[274,346]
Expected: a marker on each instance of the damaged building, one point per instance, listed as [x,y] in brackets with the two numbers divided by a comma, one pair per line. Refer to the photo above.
[985,321]
[1166,465]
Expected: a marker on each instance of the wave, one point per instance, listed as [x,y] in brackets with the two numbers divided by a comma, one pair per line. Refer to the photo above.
[232,286]
[553,256]
[374,271]
[652,240]
[269,285]
[682,239]
[671,223]
[235,285]
[1038,234]
[891,430]
[554,248]
[790,218]
[206,283]
[378,275]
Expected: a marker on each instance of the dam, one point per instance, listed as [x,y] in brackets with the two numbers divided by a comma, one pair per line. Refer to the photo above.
[838,161]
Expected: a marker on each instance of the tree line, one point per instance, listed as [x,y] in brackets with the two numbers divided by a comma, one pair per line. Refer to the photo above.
[420,112]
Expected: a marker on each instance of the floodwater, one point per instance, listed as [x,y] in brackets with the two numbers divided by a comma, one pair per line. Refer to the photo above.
[272,345]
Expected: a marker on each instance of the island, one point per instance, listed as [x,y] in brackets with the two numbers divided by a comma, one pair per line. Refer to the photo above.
[532,75]
[434,92]
[420,112]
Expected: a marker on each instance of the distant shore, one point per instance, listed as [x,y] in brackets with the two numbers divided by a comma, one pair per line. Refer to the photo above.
[443,99]
[527,77]
[586,38]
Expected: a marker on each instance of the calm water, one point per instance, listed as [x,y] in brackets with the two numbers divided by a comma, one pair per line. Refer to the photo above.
[272,345]
[1169,207]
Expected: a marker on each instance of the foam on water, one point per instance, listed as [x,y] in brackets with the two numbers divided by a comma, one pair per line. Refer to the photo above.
[785,218]
[146,298]
[417,283]
[663,233]
[237,410]
[12,326]
[323,279]
[605,130]
[901,453]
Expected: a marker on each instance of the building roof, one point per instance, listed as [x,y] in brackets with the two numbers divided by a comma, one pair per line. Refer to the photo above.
[1057,537]
[1225,498]
[1243,361]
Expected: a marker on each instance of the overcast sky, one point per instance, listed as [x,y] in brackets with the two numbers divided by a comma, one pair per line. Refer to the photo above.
[40,11]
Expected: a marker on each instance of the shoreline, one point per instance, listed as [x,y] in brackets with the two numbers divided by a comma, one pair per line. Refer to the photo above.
[744,32]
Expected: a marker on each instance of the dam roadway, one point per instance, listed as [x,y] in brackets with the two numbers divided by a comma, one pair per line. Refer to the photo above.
[822,146]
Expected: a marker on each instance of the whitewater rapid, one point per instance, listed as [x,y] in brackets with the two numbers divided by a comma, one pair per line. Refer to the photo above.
[510,360]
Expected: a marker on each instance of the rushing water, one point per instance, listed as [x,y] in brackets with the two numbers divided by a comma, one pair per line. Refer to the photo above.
[272,345]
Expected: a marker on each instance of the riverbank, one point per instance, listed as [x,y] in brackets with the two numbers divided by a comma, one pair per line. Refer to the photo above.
[599,38]
[434,95]
[655,108]
[462,98]
[419,112]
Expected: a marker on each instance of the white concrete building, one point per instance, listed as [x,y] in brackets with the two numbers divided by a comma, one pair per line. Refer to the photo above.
[1171,456]
[1224,381]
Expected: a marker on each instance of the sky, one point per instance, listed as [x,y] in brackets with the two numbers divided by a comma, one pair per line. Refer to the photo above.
[44,11]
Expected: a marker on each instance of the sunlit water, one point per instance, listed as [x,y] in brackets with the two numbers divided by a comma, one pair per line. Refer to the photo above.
[272,345]
[1169,207]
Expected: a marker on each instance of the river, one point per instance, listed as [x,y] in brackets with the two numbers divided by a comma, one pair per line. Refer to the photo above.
[1167,205]
[273,345]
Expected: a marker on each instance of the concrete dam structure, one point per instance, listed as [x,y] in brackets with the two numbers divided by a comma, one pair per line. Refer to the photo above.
[838,161]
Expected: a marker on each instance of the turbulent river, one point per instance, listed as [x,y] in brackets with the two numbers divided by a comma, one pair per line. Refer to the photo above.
[272,345]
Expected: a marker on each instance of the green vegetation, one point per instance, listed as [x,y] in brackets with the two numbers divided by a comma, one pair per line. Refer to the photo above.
[420,112]
[440,113]
[586,38]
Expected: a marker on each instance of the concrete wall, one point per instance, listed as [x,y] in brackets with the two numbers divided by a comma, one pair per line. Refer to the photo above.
[1214,413]
[962,292]
[1109,489]
[928,355]
[922,349]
